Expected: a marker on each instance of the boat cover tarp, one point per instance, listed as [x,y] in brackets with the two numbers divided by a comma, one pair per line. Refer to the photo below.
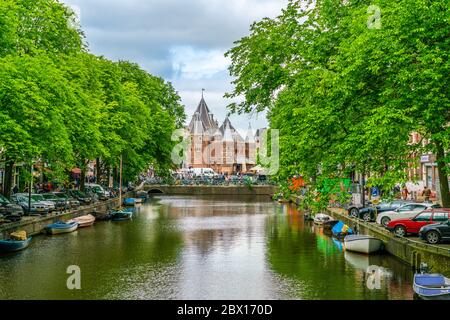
[18,236]
[430,280]
[341,227]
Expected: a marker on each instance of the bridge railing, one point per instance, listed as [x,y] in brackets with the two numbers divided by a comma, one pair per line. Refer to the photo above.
[211,182]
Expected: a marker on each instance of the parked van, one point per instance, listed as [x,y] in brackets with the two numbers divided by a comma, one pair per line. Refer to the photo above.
[98,190]
[205,172]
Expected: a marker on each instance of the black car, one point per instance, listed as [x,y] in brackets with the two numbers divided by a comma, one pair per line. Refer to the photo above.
[71,201]
[10,211]
[60,204]
[435,233]
[81,196]
[370,213]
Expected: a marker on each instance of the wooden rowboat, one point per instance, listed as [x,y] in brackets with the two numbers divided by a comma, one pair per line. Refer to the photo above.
[14,245]
[84,221]
[321,218]
[129,202]
[432,286]
[61,227]
[362,243]
[121,215]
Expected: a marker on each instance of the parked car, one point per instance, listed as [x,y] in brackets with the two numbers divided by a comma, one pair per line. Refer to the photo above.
[40,198]
[402,227]
[72,202]
[370,213]
[61,204]
[35,208]
[406,211]
[435,233]
[101,192]
[81,196]
[10,211]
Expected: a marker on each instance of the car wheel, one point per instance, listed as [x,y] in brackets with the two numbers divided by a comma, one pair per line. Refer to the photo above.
[385,221]
[367,217]
[354,212]
[400,231]
[433,237]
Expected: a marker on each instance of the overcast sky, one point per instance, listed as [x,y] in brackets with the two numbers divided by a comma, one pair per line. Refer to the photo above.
[183,41]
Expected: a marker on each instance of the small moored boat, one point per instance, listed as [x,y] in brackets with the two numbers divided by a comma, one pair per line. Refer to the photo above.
[18,241]
[61,227]
[320,218]
[362,243]
[129,202]
[142,194]
[432,286]
[340,230]
[121,215]
[328,225]
[102,216]
[84,221]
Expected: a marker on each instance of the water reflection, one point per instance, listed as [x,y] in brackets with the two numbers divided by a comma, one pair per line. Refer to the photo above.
[179,247]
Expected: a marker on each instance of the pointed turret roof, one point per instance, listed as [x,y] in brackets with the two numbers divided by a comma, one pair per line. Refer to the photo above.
[227,132]
[205,116]
[250,138]
[225,123]
[197,127]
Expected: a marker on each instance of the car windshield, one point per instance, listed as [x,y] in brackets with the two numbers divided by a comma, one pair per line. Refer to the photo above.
[79,193]
[424,216]
[25,199]
[37,197]
[61,195]
[48,196]
[3,199]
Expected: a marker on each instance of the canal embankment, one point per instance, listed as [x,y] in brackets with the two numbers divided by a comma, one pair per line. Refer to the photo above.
[410,250]
[36,224]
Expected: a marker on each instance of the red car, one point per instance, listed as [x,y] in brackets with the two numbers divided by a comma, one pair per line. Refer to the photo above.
[402,227]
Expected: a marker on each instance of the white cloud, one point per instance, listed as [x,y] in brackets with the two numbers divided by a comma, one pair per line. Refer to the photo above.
[179,40]
[189,63]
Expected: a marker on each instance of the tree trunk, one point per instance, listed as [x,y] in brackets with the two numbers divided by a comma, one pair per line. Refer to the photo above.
[115,175]
[99,170]
[83,178]
[443,175]
[9,168]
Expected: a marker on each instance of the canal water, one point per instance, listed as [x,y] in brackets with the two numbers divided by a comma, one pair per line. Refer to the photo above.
[179,247]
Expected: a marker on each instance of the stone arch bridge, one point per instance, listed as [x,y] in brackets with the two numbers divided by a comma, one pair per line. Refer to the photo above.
[231,190]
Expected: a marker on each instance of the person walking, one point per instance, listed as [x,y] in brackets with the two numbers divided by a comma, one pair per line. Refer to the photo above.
[15,189]
[426,193]
[405,193]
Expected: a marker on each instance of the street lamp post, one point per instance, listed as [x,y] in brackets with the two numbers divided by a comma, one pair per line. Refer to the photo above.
[29,189]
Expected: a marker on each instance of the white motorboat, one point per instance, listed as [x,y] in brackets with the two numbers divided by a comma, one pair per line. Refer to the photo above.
[84,221]
[362,243]
[320,218]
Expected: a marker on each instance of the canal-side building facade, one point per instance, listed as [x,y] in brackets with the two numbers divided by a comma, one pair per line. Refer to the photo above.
[219,147]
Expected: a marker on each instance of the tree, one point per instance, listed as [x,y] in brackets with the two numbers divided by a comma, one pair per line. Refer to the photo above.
[33,97]
[346,96]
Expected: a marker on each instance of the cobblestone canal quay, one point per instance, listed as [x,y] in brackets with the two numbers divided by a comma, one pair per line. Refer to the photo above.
[202,247]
